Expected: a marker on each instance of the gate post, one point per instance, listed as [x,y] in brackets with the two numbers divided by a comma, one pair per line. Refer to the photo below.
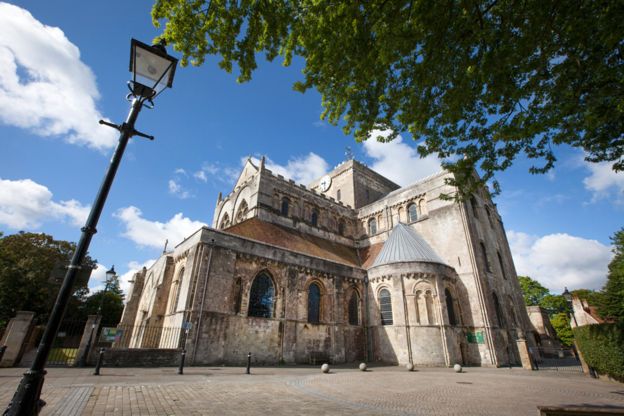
[15,337]
[88,340]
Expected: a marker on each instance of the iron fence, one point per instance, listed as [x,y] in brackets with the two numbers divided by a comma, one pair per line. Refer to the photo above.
[145,336]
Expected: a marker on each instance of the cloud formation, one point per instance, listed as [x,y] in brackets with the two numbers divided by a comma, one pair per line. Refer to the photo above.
[25,204]
[560,260]
[44,86]
[154,233]
[603,182]
[399,161]
[301,169]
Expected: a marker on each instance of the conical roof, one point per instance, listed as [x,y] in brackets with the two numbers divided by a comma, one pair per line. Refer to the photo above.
[405,245]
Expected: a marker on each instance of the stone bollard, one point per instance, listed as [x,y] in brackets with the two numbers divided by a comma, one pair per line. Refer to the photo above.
[249,363]
[325,368]
[99,362]
[457,368]
[363,367]
[181,367]
[409,367]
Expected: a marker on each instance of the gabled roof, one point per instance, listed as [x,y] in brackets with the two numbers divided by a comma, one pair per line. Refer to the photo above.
[406,245]
[295,240]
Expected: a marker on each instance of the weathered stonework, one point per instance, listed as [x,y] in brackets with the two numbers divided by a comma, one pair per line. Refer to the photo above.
[310,253]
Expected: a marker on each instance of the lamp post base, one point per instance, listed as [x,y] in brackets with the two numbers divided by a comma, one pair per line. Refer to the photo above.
[26,401]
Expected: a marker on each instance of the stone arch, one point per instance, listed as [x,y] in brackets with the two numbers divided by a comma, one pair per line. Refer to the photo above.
[424,295]
[319,314]
[400,214]
[262,296]
[372,226]
[412,213]
[226,211]
[174,294]
[453,316]
[242,197]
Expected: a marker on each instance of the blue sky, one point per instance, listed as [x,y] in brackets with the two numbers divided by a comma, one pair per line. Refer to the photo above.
[63,65]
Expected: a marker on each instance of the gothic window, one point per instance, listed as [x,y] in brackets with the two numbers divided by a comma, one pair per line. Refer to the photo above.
[175,294]
[372,226]
[225,221]
[284,208]
[489,217]
[238,295]
[338,195]
[314,303]
[354,309]
[341,227]
[500,263]
[473,203]
[314,217]
[242,211]
[450,309]
[261,297]
[499,314]
[385,307]
[412,213]
[486,260]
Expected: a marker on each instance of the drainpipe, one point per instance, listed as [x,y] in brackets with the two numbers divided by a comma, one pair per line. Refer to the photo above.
[367,333]
[407,325]
[201,305]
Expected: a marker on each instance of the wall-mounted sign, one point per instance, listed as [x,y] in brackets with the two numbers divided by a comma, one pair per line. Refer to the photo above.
[475,337]
[111,334]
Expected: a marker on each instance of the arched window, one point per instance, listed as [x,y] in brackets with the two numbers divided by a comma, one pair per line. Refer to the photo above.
[400,214]
[502,266]
[261,297]
[486,260]
[499,312]
[314,217]
[242,211]
[450,309]
[284,209]
[385,307]
[341,227]
[412,213]
[372,226]
[225,221]
[175,294]
[421,207]
[489,217]
[314,303]
[473,203]
[338,195]
[354,309]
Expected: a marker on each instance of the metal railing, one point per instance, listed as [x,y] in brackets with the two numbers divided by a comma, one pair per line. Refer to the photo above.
[148,336]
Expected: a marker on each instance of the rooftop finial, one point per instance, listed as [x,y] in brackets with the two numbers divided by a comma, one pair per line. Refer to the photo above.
[262,159]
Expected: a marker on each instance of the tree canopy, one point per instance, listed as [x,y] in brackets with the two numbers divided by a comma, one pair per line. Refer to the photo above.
[532,291]
[31,270]
[108,302]
[612,304]
[481,82]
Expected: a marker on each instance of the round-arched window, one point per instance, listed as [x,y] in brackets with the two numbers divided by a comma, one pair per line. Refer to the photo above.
[314,304]
[261,297]
[385,307]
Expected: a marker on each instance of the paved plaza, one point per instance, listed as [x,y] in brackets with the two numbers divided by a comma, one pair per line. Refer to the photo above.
[306,391]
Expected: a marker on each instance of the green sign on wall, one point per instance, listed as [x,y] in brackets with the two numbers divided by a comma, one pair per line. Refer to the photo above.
[475,337]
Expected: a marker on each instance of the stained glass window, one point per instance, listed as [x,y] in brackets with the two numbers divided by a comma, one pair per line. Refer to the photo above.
[261,297]
[354,309]
[314,303]
[385,307]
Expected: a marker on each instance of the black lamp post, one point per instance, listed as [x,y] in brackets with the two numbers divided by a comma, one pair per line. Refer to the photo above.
[153,71]
[568,297]
[110,275]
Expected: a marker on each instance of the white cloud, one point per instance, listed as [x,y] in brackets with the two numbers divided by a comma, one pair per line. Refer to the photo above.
[399,161]
[560,260]
[25,204]
[133,267]
[98,278]
[200,175]
[154,233]
[44,86]
[177,190]
[603,182]
[303,169]
[224,174]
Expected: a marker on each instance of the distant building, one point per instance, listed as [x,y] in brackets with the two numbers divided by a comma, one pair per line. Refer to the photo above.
[546,337]
[350,268]
[584,314]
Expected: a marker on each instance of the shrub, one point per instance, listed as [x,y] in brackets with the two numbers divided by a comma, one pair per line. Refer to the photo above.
[602,347]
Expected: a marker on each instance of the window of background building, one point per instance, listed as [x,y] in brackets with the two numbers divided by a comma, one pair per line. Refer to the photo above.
[354,309]
[285,206]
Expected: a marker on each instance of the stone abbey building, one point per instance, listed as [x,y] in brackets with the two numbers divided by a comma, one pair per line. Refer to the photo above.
[350,268]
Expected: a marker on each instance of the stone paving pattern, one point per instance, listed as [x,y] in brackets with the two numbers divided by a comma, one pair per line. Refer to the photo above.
[305,391]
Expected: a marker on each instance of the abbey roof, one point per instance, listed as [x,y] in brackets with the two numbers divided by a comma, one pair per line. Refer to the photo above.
[406,245]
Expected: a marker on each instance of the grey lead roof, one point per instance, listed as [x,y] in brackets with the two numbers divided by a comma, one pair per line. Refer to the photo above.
[405,245]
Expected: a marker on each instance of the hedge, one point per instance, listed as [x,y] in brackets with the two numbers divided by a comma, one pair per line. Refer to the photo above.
[602,347]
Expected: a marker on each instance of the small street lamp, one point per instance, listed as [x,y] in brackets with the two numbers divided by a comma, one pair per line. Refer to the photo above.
[110,275]
[568,297]
[152,71]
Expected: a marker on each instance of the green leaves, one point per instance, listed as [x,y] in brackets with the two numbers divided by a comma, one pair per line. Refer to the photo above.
[486,80]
